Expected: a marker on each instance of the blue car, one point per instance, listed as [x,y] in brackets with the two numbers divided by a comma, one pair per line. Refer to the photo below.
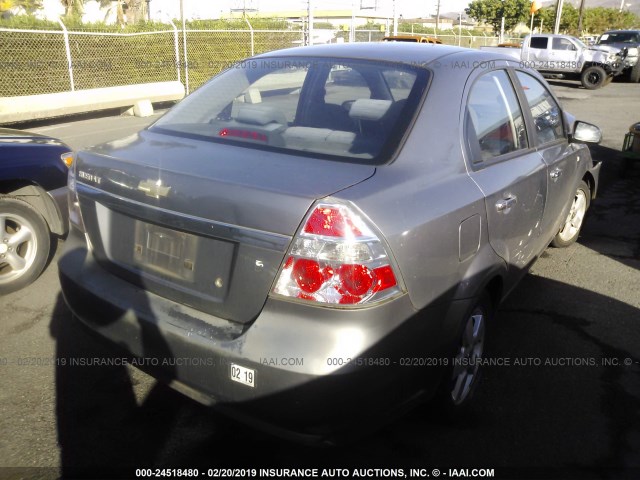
[33,204]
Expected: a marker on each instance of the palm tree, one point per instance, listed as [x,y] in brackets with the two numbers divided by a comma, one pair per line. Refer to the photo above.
[29,5]
[76,7]
[73,8]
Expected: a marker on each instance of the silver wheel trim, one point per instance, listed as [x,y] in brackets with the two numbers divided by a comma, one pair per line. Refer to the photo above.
[576,216]
[17,248]
[467,360]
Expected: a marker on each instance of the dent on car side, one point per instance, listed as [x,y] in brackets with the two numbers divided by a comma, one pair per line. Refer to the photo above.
[374,275]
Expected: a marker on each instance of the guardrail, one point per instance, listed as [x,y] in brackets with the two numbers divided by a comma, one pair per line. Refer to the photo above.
[140,97]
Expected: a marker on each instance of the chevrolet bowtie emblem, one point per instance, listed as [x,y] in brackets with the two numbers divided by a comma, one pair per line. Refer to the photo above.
[153,188]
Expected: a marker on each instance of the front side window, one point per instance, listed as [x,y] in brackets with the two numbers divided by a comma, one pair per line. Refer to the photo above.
[494,118]
[311,106]
[562,44]
[546,113]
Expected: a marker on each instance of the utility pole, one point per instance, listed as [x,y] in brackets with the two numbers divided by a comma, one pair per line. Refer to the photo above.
[310,22]
[501,40]
[437,16]
[395,19]
[580,17]
[184,47]
[556,28]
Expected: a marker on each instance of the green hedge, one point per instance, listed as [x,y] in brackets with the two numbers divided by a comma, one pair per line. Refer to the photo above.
[74,23]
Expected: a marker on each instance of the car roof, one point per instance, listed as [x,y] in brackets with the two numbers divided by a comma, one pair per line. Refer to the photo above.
[402,52]
[557,35]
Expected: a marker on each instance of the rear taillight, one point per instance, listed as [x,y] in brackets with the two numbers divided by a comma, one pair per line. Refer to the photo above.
[337,258]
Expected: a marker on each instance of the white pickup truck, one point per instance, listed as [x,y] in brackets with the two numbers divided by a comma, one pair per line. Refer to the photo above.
[564,56]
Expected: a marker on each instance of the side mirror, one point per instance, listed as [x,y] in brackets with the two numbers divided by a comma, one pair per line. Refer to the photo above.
[586,133]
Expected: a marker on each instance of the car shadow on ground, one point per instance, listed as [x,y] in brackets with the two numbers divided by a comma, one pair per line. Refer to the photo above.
[617,205]
[571,402]
[567,83]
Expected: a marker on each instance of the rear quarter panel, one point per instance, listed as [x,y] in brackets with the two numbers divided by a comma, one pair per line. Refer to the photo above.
[420,200]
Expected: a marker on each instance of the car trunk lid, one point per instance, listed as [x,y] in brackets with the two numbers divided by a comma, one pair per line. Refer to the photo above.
[203,224]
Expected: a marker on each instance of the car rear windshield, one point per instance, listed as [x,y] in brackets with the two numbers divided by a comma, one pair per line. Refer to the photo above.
[346,109]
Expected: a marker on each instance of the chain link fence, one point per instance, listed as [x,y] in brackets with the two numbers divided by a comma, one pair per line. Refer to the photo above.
[49,61]
[211,51]
[33,63]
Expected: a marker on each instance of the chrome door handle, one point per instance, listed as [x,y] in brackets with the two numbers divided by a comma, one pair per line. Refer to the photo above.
[555,174]
[506,203]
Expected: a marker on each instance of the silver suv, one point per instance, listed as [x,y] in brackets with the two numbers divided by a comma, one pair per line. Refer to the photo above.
[629,39]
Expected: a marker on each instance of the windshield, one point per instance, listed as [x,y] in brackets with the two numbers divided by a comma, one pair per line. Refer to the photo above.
[579,42]
[620,37]
[323,107]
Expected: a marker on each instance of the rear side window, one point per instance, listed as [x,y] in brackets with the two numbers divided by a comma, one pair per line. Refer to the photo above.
[546,113]
[539,42]
[352,109]
[495,125]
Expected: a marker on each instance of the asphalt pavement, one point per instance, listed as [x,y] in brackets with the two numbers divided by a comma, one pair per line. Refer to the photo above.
[562,401]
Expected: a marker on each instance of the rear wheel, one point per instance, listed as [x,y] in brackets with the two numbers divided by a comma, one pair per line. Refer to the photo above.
[570,230]
[593,77]
[465,371]
[24,244]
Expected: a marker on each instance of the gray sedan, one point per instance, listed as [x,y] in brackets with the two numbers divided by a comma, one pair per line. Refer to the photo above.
[319,236]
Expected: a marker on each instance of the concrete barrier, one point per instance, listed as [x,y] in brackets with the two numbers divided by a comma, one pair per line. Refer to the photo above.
[35,107]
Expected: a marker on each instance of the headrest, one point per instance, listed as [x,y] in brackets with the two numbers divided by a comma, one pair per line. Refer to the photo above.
[369,109]
[260,114]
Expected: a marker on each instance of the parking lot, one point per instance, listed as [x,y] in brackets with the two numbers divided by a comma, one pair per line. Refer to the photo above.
[564,400]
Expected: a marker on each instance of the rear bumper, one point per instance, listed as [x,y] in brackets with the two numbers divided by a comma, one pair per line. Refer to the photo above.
[317,370]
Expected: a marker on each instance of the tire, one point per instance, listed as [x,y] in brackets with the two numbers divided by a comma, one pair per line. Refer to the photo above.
[24,244]
[593,77]
[464,372]
[570,230]
[634,74]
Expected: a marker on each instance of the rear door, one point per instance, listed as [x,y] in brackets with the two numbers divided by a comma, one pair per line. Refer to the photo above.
[507,169]
[537,53]
[561,158]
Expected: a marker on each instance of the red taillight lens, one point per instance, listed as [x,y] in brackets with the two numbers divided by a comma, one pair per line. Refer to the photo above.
[337,258]
[307,275]
[330,222]
[356,279]
[384,278]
